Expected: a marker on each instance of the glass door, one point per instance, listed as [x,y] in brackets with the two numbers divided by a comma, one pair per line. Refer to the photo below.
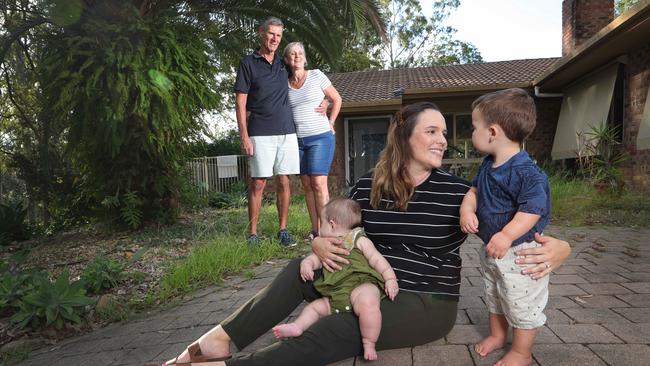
[366,140]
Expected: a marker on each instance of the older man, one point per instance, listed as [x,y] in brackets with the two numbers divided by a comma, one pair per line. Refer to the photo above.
[266,128]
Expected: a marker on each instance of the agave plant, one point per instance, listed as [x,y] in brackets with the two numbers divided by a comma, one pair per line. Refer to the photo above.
[53,303]
[605,156]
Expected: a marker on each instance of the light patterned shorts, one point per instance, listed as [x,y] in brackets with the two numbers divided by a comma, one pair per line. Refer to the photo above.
[518,297]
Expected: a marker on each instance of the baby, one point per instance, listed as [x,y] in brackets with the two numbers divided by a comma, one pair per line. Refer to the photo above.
[508,204]
[356,287]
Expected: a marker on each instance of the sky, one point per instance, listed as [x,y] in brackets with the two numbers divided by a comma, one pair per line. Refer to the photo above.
[508,29]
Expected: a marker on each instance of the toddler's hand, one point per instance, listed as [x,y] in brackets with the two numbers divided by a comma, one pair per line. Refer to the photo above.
[306,271]
[498,245]
[391,288]
[469,223]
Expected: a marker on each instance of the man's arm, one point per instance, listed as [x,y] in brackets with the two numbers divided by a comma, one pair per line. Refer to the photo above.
[242,122]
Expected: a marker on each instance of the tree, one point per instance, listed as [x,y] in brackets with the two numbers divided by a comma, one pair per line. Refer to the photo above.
[412,39]
[225,143]
[620,6]
[129,81]
[30,140]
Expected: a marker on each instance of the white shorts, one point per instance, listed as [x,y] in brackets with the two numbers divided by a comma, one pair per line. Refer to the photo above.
[274,155]
[518,297]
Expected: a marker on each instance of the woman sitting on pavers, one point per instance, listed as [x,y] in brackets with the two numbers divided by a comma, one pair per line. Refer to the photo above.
[410,211]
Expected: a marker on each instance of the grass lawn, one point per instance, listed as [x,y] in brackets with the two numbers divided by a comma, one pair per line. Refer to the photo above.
[221,248]
[578,203]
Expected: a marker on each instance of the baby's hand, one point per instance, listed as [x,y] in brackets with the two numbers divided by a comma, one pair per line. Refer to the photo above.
[498,245]
[391,288]
[469,223]
[306,271]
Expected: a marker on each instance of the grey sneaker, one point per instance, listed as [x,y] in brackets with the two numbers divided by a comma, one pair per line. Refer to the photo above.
[285,238]
[253,240]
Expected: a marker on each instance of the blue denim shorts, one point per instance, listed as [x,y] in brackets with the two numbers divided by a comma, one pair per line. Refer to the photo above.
[316,153]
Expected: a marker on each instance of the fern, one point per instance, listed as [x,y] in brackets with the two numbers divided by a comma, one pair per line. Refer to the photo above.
[131,209]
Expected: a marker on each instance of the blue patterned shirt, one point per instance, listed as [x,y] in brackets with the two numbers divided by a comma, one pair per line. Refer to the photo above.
[518,185]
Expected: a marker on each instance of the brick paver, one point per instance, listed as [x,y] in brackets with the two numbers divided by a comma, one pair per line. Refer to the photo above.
[598,314]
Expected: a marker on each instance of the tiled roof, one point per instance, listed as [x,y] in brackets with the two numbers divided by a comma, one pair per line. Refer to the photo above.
[365,86]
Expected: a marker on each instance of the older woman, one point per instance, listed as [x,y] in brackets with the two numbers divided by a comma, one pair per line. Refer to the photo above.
[315,131]
[411,213]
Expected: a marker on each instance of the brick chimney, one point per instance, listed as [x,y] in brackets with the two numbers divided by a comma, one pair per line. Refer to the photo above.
[581,19]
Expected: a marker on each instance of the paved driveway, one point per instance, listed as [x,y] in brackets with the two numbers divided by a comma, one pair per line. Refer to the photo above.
[598,314]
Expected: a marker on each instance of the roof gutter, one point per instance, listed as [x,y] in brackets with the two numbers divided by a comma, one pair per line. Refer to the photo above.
[539,94]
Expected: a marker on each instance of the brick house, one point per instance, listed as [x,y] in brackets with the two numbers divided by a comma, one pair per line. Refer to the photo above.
[603,76]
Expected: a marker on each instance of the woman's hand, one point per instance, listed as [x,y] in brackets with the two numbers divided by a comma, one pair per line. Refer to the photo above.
[547,257]
[329,252]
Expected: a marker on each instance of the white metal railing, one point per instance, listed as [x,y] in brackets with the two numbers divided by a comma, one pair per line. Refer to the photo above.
[217,173]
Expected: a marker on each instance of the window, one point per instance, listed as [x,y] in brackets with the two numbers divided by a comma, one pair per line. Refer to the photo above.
[366,137]
[459,136]
[615,115]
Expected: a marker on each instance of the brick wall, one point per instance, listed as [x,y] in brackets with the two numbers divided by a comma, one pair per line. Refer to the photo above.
[637,168]
[581,19]
[540,142]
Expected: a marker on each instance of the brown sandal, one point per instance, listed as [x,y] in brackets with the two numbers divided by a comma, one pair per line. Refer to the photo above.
[196,356]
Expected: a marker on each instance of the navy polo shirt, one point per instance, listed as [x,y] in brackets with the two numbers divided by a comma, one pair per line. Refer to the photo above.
[267,87]
[518,185]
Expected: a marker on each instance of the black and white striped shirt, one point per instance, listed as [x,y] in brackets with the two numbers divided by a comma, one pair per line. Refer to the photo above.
[422,243]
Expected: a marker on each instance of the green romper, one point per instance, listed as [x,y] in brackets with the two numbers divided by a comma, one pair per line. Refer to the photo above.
[338,285]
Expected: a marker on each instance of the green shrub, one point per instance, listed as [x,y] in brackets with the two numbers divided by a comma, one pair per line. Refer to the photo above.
[102,274]
[13,287]
[52,303]
[233,197]
[129,206]
[12,222]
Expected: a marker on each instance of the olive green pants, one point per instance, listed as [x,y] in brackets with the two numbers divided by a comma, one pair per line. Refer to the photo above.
[412,319]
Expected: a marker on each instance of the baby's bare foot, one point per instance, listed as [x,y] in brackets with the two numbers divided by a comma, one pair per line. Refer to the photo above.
[369,350]
[287,330]
[514,358]
[369,353]
[487,345]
